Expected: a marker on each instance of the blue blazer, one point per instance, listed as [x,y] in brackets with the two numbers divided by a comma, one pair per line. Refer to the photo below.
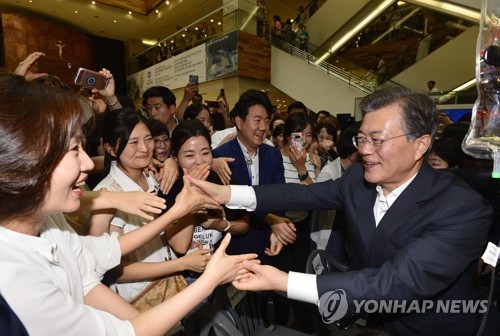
[271,171]
[426,247]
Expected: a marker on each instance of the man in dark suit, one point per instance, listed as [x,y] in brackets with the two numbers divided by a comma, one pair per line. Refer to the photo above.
[415,234]
[255,164]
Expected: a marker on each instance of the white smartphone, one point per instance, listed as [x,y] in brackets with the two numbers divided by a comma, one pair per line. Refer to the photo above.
[298,141]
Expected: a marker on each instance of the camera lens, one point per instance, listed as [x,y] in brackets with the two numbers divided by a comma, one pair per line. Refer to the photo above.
[91,80]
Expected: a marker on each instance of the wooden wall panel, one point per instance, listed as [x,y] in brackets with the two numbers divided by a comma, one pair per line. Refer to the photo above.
[254,57]
[24,35]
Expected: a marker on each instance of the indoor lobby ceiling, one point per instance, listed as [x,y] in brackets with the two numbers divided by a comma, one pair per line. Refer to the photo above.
[123,19]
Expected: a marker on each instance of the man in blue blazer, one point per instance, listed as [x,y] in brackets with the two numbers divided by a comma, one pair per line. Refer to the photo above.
[415,234]
[255,164]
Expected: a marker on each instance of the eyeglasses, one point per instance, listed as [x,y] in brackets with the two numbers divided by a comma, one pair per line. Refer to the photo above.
[376,143]
[160,142]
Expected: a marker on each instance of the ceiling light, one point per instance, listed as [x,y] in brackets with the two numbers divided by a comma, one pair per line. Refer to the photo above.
[211,20]
[219,23]
[76,12]
[93,2]
[171,41]
[157,11]
[149,42]
[195,28]
[167,3]
[114,21]
[130,12]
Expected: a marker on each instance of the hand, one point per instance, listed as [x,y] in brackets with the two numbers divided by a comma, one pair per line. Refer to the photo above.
[189,91]
[109,91]
[189,201]
[298,159]
[261,277]
[168,175]
[326,145]
[224,268]
[314,157]
[221,194]
[200,172]
[23,68]
[275,247]
[283,228]
[197,261]
[139,203]
[221,167]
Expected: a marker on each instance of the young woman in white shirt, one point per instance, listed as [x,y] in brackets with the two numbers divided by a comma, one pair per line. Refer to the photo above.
[50,275]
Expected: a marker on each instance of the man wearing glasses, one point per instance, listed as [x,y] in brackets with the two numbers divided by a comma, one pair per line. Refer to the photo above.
[415,234]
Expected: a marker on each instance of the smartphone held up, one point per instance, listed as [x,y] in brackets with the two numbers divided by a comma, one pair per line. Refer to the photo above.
[298,141]
[91,79]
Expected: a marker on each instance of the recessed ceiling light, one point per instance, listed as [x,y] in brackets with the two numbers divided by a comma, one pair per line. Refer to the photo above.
[30,1]
[130,12]
[219,23]
[76,12]
[93,2]
[167,3]
[114,21]
[211,20]
[157,11]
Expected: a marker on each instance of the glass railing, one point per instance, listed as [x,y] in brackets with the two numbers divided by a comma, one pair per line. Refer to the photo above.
[243,17]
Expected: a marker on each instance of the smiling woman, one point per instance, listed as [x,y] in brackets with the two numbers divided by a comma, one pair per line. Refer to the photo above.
[50,275]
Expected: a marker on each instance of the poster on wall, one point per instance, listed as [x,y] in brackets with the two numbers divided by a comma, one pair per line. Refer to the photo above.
[212,60]
[222,56]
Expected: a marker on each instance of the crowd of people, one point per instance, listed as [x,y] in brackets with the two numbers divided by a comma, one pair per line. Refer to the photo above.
[240,203]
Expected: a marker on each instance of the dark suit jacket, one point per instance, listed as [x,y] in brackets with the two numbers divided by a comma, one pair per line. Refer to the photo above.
[425,247]
[270,172]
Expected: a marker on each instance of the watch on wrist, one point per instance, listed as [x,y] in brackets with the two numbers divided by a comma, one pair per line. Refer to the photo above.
[303,176]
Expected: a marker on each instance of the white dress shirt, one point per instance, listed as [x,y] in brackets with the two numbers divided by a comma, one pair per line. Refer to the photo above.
[44,279]
[303,287]
[153,251]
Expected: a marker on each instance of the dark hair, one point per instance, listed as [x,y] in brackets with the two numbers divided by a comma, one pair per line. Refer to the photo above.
[455,131]
[93,134]
[37,123]
[159,91]
[278,130]
[157,128]
[188,129]
[193,110]
[297,105]
[419,112]
[345,147]
[54,82]
[324,112]
[448,150]
[251,98]
[433,82]
[117,127]
[273,121]
[297,122]
[330,129]
[197,95]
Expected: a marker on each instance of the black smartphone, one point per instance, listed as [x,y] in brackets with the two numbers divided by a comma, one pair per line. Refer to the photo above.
[193,79]
[90,79]
[212,104]
[222,92]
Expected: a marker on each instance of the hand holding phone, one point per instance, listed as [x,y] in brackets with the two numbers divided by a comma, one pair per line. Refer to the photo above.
[193,79]
[91,79]
[298,141]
